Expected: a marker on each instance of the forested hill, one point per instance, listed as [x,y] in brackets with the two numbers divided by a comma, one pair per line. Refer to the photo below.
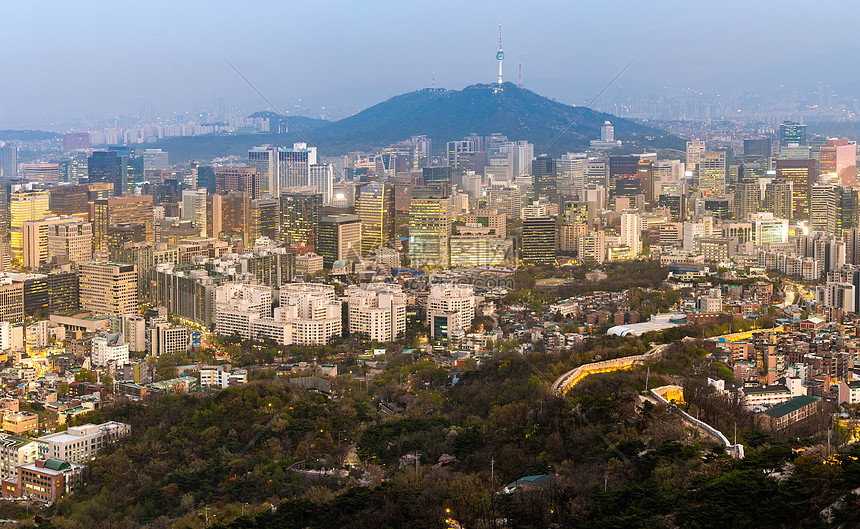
[191,457]
[443,115]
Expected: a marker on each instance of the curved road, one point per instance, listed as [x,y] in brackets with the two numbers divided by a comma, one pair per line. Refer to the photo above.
[566,381]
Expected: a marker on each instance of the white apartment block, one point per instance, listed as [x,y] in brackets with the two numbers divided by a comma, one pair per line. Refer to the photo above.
[447,298]
[109,349]
[312,310]
[15,451]
[378,310]
[237,304]
[81,444]
[221,376]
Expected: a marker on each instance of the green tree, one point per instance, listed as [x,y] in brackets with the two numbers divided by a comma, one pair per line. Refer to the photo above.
[85,375]
[63,390]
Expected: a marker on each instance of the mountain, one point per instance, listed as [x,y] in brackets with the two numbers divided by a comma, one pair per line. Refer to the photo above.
[443,115]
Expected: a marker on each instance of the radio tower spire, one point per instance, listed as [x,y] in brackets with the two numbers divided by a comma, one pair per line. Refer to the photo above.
[434,80]
[500,55]
[520,75]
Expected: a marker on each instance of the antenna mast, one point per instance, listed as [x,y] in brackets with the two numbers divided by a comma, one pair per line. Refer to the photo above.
[520,75]
[500,55]
[434,80]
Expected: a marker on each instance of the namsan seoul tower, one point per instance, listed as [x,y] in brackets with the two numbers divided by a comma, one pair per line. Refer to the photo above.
[500,55]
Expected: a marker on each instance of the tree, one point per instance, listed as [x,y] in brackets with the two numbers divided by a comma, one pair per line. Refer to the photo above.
[107,381]
[85,375]
[63,390]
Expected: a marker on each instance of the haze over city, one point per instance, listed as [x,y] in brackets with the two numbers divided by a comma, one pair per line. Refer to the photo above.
[79,60]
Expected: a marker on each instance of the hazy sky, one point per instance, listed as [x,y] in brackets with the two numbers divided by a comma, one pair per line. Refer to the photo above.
[64,60]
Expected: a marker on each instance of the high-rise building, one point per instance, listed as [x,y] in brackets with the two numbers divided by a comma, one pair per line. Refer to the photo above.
[792,132]
[206,177]
[25,206]
[8,161]
[437,174]
[377,310]
[43,173]
[245,179]
[264,160]
[676,204]
[747,198]
[75,140]
[631,231]
[227,216]
[311,311]
[839,157]
[11,300]
[154,159]
[695,150]
[264,219]
[757,148]
[475,245]
[624,168]
[70,242]
[571,175]
[300,217]
[449,308]
[294,165]
[545,173]
[321,177]
[375,208]
[111,167]
[36,238]
[194,208]
[833,208]
[801,174]
[120,210]
[74,199]
[538,242]
[712,173]
[339,238]
[430,216]
[108,288]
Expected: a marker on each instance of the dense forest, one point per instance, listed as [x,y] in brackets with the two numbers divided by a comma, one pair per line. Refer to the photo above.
[262,454]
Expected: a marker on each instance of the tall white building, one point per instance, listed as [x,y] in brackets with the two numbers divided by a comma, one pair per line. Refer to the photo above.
[695,150]
[449,305]
[70,241]
[194,208]
[571,175]
[321,176]
[666,172]
[377,310]
[109,349]
[237,304]
[631,231]
[312,311]
[133,328]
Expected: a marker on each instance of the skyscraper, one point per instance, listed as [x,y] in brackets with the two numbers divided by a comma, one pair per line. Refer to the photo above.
[109,166]
[695,149]
[538,243]
[839,157]
[545,173]
[747,198]
[25,206]
[712,173]
[300,218]
[321,177]
[8,160]
[571,175]
[429,227]
[116,210]
[245,179]
[801,174]
[631,231]
[264,219]
[339,239]
[108,288]
[375,208]
[194,208]
[792,132]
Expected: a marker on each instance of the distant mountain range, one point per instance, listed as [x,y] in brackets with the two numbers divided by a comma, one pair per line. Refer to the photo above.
[443,115]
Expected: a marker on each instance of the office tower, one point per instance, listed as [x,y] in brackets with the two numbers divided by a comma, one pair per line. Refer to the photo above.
[747,198]
[194,208]
[676,204]
[108,288]
[245,179]
[227,215]
[833,208]
[779,199]
[264,219]
[377,310]
[111,167]
[300,218]
[792,132]
[206,177]
[11,300]
[8,161]
[712,173]
[36,234]
[757,148]
[119,210]
[666,172]
[264,160]
[718,207]
[695,150]
[68,200]
[118,235]
[339,239]
[597,172]
[429,228]
[75,140]
[133,329]
[154,159]
[488,218]
[571,175]
[623,168]
[437,174]
[522,153]
[24,206]
[43,173]
[375,208]
[507,201]
[466,155]
[839,157]
[631,231]
[538,243]
[801,174]
[321,177]
[545,173]
[768,229]
[294,165]
[480,246]
[63,292]
[70,242]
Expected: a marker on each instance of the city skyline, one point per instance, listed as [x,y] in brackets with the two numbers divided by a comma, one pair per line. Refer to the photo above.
[89,62]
